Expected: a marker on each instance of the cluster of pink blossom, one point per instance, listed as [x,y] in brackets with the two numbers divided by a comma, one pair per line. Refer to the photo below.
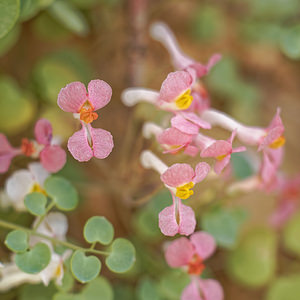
[183,95]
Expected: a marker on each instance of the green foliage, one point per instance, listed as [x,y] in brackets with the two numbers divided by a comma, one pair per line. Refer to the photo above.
[72,18]
[290,42]
[37,292]
[62,192]
[9,40]
[147,290]
[16,108]
[34,260]
[85,268]
[121,257]
[253,262]
[241,165]
[17,241]
[67,282]
[98,229]
[285,288]
[36,203]
[9,13]
[291,234]
[223,224]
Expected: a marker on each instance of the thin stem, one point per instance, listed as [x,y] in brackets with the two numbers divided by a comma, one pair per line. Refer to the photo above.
[12,226]
[50,206]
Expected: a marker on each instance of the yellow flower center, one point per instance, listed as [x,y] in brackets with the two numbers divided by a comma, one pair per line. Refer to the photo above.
[220,157]
[37,188]
[184,191]
[87,113]
[184,100]
[58,271]
[278,143]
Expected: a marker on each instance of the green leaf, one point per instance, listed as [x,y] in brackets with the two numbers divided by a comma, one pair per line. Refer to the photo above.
[36,203]
[253,262]
[291,234]
[9,13]
[147,290]
[84,268]
[285,288]
[62,192]
[34,260]
[63,296]
[122,256]
[17,241]
[98,289]
[16,109]
[36,292]
[290,42]
[223,224]
[69,16]
[98,229]
[67,282]
[9,40]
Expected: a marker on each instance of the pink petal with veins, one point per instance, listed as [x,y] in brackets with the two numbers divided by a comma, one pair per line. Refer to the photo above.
[7,153]
[190,116]
[187,220]
[72,97]
[218,148]
[178,174]
[102,142]
[204,244]
[179,252]
[99,93]
[53,158]
[167,221]
[221,164]
[180,123]
[191,150]
[173,136]
[201,171]
[43,132]
[174,85]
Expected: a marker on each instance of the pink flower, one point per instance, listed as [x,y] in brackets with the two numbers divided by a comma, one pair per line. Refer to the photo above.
[7,153]
[181,178]
[87,142]
[221,151]
[190,255]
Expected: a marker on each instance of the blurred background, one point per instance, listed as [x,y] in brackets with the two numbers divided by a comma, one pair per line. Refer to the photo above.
[45,44]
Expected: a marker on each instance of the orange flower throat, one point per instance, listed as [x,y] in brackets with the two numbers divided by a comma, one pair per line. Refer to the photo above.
[196,266]
[87,113]
[27,147]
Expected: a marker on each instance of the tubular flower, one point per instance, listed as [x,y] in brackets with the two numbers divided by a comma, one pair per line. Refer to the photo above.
[190,255]
[87,142]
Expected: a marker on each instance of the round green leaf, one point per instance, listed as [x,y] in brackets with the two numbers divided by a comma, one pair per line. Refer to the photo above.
[62,192]
[253,262]
[36,203]
[290,42]
[147,290]
[36,292]
[98,229]
[9,40]
[84,268]
[63,296]
[291,235]
[98,289]
[17,241]
[285,288]
[122,256]
[9,13]
[34,260]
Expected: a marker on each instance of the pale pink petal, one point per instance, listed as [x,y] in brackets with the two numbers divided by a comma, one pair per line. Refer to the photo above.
[268,169]
[167,221]
[174,85]
[204,244]
[276,122]
[191,150]
[233,134]
[276,155]
[43,132]
[179,252]
[79,147]
[177,175]
[7,153]
[221,164]
[187,220]
[173,136]
[99,93]
[239,149]
[272,135]
[200,102]
[196,120]
[218,148]
[72,96]
[191,292]
[204,69]
[102,142]
[180,123]
[53,158]
[211,289]
[201,171]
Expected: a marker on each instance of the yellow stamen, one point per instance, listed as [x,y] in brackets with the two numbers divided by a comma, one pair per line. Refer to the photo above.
[58,271]
[37,188]
[220,157]
[278,143]
[184,191]
[185,100]
[87,113]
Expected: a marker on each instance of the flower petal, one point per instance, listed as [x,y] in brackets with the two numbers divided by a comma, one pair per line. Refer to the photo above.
[179,252]
[177,175]
[172,136]
[7,153]
[167,221]
[187,220]
[180,123]
[191,292]
[43,132]
[38,172]
[211,289]
[174,85]
[72,96]
[201,171]
[221,164]
[99,93]
[191,150]
[190,116]
[53,158]
[218,148]
[102,142]
[204,244]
